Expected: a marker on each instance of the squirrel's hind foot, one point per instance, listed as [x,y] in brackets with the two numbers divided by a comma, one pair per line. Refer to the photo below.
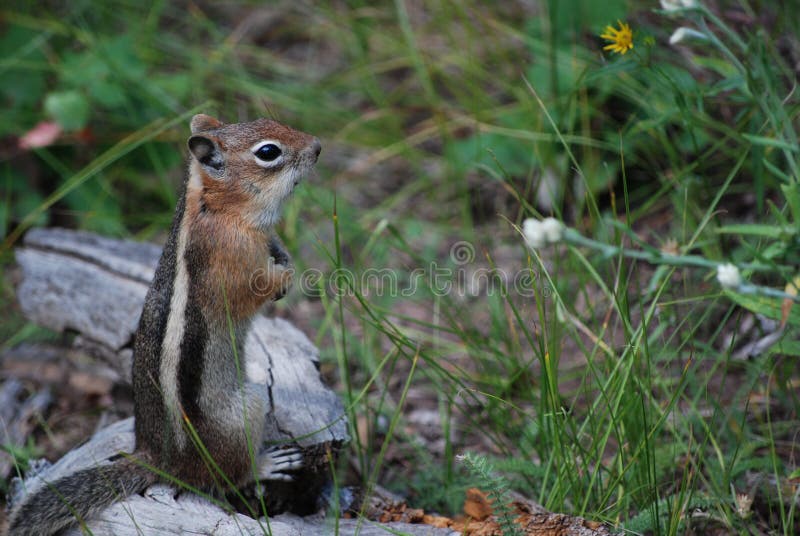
[278,463]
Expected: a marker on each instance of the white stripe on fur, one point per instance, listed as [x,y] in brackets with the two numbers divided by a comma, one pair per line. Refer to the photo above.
[171,347]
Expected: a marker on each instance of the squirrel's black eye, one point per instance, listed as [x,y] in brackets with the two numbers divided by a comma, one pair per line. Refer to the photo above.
[268,152]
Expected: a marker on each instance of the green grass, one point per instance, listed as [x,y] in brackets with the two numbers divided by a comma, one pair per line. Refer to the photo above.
[610,389]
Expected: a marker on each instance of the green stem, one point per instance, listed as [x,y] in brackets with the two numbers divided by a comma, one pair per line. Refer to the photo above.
[573,237]
[722,48]
[724,27]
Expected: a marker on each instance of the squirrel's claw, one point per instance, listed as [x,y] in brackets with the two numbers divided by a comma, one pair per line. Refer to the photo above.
[277,463]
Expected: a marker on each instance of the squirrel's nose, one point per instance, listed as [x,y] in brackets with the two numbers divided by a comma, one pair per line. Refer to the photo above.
[316,146]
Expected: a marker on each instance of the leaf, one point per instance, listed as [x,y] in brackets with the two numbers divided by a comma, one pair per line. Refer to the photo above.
[178,85]
[69,108]
[787,348]
[17,199]
[477,505]
[21,50]
[108,93]
[102,72]
[769,307]
[757,229]
[775,170]
[792,194]
[769,142]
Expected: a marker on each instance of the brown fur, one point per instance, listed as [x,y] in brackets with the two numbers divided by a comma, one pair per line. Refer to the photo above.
[232,269]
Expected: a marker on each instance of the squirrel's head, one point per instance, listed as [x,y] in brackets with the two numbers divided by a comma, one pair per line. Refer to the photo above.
[250,168]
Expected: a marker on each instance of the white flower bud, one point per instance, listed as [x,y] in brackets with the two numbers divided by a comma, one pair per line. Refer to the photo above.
[534,233]
[541,233]
[683,33]
[675,5]
[553,230]
[728,276]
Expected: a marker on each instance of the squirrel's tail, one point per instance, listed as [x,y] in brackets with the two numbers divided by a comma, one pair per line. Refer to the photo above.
[75,498]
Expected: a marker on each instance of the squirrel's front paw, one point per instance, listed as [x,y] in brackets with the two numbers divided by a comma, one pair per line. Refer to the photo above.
[283,275]
[278,252]
[277,463]
[272,281]
[281,266]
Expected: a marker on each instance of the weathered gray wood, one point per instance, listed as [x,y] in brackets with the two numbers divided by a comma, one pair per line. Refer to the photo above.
[347,527]
[304,410]
[133,260]
[158,511]
[84,282]
[63,292]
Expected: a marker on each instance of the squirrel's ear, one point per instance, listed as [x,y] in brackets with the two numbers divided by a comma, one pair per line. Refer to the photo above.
[203,122]
[207,152]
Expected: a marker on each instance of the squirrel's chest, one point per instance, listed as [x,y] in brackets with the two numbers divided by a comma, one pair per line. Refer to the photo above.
[224,267]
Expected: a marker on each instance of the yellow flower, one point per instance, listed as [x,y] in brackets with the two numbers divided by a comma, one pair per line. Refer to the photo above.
[621,40]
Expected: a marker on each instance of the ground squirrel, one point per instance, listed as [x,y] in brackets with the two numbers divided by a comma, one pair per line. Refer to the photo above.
[186,371]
